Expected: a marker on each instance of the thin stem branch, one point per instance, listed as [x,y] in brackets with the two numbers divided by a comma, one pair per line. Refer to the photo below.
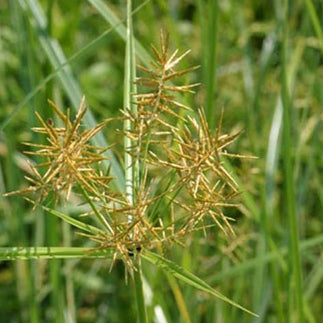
[142,313]
[295,261]
[131,168]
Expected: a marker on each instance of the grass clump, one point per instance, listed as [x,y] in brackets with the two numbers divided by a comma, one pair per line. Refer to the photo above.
[184,147]
[261,65]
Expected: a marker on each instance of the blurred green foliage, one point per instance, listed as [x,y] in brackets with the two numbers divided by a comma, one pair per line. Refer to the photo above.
[242,76]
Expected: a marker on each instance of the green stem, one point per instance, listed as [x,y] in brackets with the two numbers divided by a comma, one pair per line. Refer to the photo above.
[128,88]
[315,22]
[27,253]
[132,169]
[141,308]
[295,261]
[209,35]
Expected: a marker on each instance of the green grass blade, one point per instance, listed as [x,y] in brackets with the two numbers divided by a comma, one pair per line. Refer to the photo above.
[295,259]
[315,21]
[25,275]
[247,197]
[271,169]
[129,79]
[72,89]
[78,224]
[188,278]
[178,295]
[315,279]
[69,61]
[113,20]
[69,286]
[253,263]
[210,52]
[141,307]
[26,253]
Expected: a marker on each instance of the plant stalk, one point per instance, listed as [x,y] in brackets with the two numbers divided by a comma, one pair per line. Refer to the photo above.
[132,169]
[295,260]
[141,308]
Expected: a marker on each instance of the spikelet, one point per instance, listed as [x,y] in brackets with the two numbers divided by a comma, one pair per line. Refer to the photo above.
[150,124]
[200,187]
[68,154]
[197,159]
[161,95]
[203,186]
[128,238]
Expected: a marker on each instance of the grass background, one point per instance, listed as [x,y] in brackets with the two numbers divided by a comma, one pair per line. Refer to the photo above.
[261,61]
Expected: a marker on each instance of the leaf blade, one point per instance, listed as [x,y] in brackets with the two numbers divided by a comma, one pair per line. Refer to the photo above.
[188,277]
[26,253]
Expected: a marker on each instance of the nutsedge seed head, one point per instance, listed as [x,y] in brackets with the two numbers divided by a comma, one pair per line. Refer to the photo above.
[69,157]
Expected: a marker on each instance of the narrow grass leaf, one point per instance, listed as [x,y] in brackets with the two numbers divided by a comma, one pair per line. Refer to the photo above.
[73,222]
[188,278]
[25,253]
[120,28]
[57,58]
[295,259]
[253,263]
[72,59]
[315,21]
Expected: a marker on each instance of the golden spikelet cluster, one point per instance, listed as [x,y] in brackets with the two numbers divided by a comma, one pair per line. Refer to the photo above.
[161,95]
[189,157]
[196,158]
[69,157]
[150,123]
[128,237]
[203,186]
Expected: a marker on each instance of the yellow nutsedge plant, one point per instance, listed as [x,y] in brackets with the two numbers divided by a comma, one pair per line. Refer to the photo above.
[195,187]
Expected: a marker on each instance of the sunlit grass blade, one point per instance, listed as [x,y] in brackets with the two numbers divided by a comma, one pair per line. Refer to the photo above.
[179,298]
[26,253]
[129,92]
[271,168]
[187,277]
